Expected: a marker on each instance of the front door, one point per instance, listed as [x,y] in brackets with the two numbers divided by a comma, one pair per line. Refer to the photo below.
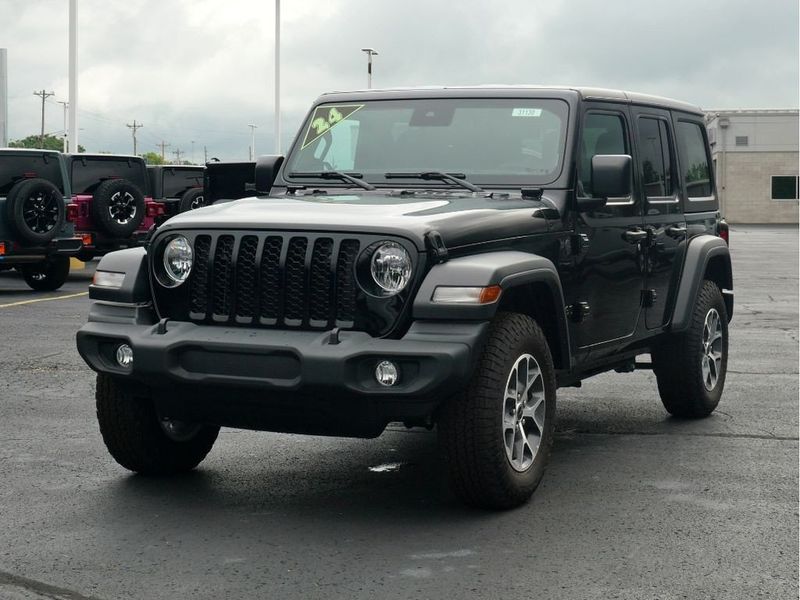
[603,290]
[663,211]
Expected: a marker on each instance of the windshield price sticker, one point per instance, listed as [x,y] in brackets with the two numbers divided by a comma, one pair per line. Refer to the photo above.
[326,118]
[526,112]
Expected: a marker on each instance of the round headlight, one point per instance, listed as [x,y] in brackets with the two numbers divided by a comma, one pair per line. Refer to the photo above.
[177,261]
[391,268]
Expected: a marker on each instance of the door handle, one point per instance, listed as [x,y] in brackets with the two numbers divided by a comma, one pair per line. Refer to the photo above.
[634,236]
[676,231]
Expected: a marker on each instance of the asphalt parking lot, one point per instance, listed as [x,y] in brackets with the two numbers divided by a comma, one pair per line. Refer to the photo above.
[635,505]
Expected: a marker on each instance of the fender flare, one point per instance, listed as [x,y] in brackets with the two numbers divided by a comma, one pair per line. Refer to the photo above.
[700,252]
[509,269]
[135,288]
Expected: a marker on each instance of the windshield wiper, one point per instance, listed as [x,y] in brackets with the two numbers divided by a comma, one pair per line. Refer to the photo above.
[349,177]
[457,178]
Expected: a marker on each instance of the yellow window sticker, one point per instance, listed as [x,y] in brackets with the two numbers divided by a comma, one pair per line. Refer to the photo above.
[325,118]
[526,112]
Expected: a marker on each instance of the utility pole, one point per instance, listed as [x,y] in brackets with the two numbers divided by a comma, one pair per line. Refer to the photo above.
[192,151]
[277,77]
[73,76]
[370,53]
[205,154]
[133,128]
[163,145]
[178,153]
[252,140]
[65,105]
[44,96]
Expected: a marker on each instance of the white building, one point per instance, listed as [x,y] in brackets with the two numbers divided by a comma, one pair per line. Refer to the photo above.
[755,154]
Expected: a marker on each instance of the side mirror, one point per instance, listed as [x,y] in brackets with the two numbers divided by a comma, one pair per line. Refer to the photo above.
[611,175]
[611,178]
[266,170]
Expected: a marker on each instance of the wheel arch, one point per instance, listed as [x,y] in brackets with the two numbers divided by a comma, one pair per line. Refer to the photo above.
[707,257]
[530,284]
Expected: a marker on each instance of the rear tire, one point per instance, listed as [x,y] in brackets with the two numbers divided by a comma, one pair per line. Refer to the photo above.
[690,367]
[47,276]
[136,438]
[118,207]
[35,208]
[192,199]
[488,462]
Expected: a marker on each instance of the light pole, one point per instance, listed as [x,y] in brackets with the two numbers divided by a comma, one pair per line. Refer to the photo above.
[370,53]
[73,76]
[66,135]
[252,140]
[277,77]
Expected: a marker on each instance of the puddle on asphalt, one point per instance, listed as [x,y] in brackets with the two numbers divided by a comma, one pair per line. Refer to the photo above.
[386,467]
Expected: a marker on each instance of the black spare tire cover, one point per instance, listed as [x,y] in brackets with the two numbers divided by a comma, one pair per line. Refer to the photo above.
[35,209]
[118,207]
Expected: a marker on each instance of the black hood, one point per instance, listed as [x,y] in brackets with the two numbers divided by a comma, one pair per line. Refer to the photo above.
[460,218]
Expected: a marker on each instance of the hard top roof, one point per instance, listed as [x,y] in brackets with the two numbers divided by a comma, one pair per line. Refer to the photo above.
[9,150]
[585,93]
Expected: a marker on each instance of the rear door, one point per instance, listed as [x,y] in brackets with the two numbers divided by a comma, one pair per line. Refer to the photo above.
[663,212]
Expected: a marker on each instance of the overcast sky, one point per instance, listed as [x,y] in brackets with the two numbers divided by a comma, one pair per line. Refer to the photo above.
[203,69]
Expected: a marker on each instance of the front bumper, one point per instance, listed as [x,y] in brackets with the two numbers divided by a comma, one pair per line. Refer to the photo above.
[192,366]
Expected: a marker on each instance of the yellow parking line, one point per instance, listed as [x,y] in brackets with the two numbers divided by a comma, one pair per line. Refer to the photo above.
[75,264]
[21,302]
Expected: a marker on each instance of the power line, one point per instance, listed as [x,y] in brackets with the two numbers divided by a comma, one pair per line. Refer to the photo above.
[133,128]
[44,95]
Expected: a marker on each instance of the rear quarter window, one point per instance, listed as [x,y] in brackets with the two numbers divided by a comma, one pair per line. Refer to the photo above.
[87,173]
[695,165]
[14,167]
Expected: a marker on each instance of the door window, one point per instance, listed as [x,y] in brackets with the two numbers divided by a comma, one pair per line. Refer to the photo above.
[694,160]
[603,133]
[655,162]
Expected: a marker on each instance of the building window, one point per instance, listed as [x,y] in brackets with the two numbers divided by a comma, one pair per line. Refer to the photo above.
[741,140]
[784,187]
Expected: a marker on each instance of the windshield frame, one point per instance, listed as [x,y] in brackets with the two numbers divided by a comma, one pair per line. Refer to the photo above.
[554,180]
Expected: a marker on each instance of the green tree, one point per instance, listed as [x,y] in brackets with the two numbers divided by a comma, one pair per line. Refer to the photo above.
[153,158]
[51,142]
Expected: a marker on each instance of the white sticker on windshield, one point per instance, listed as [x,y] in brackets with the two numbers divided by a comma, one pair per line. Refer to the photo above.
[526,112]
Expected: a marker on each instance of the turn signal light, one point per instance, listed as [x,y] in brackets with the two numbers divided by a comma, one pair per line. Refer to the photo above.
[467,295]
[86,239]
[2,248]
[724,231]
[72,212]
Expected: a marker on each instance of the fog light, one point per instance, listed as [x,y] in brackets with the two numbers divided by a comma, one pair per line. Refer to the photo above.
[386,373]
[124,355]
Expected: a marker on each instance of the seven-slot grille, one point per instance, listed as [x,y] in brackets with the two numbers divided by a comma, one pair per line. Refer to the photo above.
[273,279]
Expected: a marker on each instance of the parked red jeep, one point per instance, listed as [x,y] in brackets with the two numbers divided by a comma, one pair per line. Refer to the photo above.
[111,208]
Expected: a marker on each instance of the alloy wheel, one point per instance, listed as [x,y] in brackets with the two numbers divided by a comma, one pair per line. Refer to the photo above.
[523,412]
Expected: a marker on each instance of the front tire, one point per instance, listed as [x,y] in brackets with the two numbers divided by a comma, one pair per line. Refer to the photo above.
[140,440]
[47,276]
[690,367]
[496,436]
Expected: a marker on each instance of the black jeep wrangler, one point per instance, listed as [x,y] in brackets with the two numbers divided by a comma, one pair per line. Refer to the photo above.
[178,187]
[439,257]
[35,237]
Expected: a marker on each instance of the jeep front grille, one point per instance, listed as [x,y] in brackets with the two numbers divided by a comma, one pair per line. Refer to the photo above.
[273,280]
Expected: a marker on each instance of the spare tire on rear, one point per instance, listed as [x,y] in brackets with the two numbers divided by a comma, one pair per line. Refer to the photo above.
[35,209]
[118,207]
[191,199]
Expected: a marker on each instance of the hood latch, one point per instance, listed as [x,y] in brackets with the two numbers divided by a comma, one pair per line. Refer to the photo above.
[437,251]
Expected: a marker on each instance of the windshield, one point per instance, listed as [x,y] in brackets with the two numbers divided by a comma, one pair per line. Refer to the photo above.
[491,141]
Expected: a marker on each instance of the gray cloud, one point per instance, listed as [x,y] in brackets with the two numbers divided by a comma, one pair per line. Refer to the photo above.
[201,70]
